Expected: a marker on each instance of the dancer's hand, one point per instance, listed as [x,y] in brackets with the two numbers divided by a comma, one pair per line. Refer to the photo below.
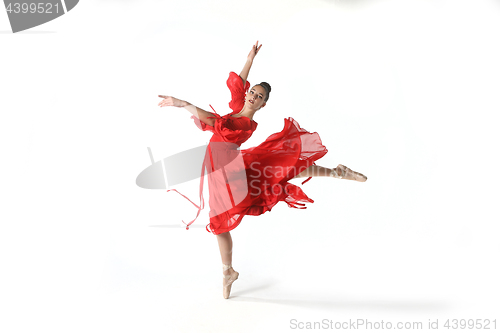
[171,101]
[253,52]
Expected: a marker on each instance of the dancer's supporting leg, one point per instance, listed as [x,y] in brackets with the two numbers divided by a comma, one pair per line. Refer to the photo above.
[226,250]
[226,253]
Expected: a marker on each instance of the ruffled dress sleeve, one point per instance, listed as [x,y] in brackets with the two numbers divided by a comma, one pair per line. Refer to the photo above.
[219,122]
[238,91]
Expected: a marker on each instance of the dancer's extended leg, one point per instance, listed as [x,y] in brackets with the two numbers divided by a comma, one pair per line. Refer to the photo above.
[315,171]
[341,171]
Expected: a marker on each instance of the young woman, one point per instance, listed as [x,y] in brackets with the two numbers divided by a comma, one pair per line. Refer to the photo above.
[252,181]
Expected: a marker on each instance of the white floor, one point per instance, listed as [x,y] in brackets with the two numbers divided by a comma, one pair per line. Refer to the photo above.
[407,94]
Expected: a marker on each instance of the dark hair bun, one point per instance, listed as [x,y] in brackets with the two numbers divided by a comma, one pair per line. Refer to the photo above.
[267,88]
[266,85]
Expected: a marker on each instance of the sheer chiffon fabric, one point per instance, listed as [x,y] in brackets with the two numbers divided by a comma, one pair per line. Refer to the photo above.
[252,181]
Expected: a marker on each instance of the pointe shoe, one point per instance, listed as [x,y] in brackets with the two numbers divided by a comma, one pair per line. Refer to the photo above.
[346,173]
[228,280]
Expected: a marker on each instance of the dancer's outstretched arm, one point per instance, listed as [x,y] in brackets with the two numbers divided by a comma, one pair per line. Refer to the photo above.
[196,111]
[248,64]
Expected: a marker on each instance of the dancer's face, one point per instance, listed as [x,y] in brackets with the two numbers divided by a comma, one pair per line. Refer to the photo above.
[254,98]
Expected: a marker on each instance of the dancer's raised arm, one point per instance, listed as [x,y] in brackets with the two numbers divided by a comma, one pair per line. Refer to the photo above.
[196,111]
[248,64]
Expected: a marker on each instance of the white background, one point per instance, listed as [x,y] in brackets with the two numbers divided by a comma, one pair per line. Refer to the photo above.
[405,92]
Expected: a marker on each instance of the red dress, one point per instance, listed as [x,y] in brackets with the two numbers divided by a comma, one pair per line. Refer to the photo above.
[252,181]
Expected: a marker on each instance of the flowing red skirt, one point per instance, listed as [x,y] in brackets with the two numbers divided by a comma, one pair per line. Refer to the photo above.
[252,181]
